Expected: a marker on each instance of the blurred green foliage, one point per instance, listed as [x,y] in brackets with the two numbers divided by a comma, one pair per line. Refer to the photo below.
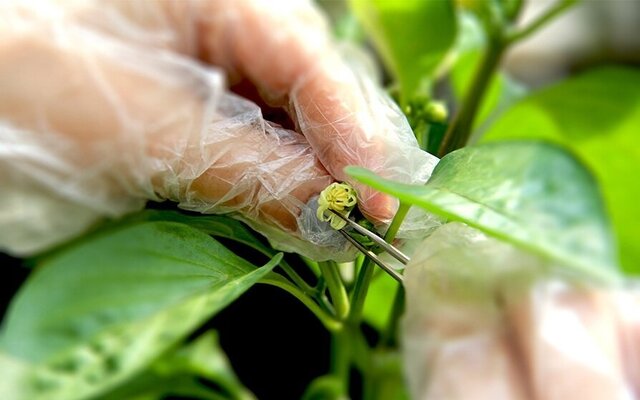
[412,36]
[179,373]
[596,115]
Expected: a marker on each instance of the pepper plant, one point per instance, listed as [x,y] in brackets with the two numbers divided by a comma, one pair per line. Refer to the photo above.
[124,312]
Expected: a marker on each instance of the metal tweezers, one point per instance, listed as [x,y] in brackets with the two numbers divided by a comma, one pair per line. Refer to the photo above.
[395,253]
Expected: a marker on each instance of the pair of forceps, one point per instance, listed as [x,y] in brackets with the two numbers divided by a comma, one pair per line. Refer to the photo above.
[395,253]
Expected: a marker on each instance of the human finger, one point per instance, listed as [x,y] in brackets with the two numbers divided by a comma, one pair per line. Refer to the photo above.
[454,340]
[287,52]
[626,302]
[493,311]
[285,49]
[568,340]
[106,126]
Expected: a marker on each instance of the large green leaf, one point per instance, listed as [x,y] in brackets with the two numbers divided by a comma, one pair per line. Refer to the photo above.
[412,36]
[214,225]
[532,194]
[597,116]
[97,313]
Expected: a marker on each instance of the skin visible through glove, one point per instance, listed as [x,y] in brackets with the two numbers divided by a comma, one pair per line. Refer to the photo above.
[114,106]
[298,58]
[87,105]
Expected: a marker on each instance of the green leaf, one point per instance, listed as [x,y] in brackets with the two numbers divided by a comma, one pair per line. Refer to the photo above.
[379,302]
[532,194]
[98,313]
[412,36]
[178,373]
[326,387]
[13,372]
[597,116]
[214,225]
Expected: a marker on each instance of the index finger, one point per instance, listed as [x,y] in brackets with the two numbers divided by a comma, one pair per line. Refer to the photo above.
[285,49]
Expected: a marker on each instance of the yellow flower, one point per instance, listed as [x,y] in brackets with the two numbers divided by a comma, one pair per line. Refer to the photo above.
[339,197]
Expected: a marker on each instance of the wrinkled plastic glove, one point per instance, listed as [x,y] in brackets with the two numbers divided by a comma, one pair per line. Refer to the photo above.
[487,321]
[107,104]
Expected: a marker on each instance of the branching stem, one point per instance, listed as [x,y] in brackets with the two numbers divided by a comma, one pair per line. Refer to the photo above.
[553,11]
[327,320]
[296,278]
[460,129]
[336,288]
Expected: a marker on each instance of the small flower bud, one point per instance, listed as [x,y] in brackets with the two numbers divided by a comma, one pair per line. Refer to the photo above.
[436,111]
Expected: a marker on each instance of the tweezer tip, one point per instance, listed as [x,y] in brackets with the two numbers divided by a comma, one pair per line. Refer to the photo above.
[395,253]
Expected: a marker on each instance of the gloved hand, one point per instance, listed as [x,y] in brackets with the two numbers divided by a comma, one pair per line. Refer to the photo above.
[106,104]
[485,320]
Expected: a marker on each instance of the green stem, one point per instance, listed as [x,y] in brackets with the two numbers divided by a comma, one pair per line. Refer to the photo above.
[422,134]
[391,233]
[357,265]
[344,342]
[203,392]
[460,129]
[326,305]
[321,297]
[366,271]
[336,288]
[360,351]
[513,12]
[313,265]
[297,279]
[389,337]
[327,320]
[360,291]
[553,11]
[341,357]
[321,285]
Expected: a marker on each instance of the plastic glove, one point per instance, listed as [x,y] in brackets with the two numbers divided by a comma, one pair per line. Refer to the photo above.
[106,104]
[487,321]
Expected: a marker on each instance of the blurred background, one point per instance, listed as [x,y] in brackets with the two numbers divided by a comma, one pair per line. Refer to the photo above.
[590,33]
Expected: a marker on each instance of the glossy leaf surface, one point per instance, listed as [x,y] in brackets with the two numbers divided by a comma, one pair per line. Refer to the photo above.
[595,115]
[97,313]
[412,36]
[532,194]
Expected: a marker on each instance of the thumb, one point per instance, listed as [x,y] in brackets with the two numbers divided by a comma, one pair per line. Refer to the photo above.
[349,120]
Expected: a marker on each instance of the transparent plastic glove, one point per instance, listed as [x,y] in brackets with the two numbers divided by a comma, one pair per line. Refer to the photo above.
[106,104]
[487,321]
